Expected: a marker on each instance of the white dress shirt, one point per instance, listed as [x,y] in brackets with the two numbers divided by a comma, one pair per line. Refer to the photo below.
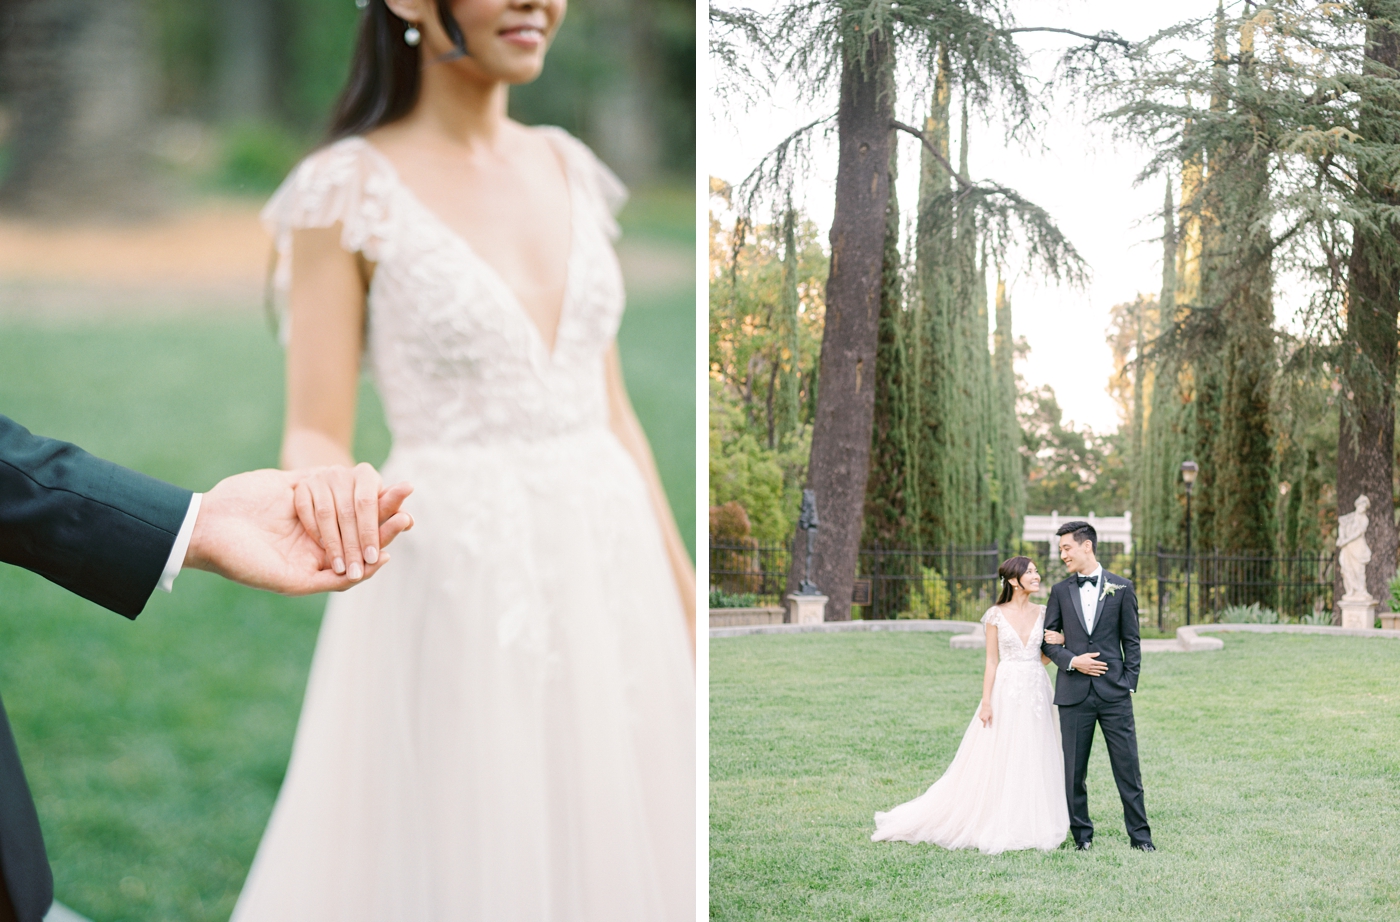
[1089,597]
[176,561]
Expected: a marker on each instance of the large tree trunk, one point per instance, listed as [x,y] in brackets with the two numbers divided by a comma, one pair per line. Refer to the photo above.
[1365,453]
[80,78]
[845,409]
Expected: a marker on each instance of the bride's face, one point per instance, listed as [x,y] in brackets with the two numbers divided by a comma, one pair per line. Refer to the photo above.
[506,39]
[1030,580]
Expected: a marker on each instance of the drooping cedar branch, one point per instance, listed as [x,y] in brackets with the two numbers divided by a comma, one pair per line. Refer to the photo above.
[933,152]
[1109,37]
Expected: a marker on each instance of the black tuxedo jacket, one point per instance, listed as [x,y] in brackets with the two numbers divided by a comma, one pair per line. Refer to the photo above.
[96,529]
[1115,638]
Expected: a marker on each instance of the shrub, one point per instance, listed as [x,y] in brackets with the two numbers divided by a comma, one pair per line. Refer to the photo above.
[721,599]
[1253,613]
[1319,616]
[928,597]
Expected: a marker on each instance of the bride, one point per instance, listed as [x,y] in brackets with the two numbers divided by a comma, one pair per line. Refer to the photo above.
[502,726]
[1006,787]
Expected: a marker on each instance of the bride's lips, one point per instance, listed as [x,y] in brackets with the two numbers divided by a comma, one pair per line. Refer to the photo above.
[523,36]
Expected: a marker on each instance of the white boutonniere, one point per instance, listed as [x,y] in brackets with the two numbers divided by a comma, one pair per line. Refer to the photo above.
[1110,588]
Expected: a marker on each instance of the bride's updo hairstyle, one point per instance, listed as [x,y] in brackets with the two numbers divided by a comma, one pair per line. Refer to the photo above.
[1013,568]
[385,70]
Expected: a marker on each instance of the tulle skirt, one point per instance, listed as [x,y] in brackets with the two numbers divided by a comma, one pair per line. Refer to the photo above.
[500,725]
[1006,787]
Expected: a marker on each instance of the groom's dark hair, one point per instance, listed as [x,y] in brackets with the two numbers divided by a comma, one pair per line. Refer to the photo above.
[1080,532]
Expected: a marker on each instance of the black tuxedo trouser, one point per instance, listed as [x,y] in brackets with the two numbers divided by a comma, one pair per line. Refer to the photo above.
[26,883]
[1115,718]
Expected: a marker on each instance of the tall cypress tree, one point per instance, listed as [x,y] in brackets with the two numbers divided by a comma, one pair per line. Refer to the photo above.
[934,272]
[787,392]
[1009,478]
[891,493]
[1158,520]
[972,525]
[1243,457]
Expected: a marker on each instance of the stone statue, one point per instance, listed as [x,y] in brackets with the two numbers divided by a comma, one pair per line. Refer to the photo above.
[1354,552]
[807,521]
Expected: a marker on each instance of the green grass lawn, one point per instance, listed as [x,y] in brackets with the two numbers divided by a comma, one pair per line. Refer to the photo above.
[1270,771]
[155,748]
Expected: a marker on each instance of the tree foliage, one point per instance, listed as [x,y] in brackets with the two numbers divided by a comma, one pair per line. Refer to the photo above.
[766,308]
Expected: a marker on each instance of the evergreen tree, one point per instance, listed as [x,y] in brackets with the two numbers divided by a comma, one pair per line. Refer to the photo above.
[934,270]
[891,494]
[1244,485]
[1009,476]
[971,522]
[1159,518]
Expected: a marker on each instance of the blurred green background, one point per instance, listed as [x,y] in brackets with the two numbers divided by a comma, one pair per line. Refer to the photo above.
[158,93]
[155,749]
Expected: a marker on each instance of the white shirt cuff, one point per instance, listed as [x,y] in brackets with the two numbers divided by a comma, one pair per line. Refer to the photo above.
[176,562]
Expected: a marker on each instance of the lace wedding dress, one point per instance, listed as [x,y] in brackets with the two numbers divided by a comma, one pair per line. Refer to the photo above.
[500,725]
[1006,787]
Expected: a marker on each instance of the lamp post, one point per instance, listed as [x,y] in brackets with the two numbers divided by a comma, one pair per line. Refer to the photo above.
[1188,477]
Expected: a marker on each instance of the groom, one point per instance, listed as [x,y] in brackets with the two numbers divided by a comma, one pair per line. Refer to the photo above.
[113,536]
[1099,661]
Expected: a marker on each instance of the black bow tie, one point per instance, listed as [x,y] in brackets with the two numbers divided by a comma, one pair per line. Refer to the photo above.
[1091,580]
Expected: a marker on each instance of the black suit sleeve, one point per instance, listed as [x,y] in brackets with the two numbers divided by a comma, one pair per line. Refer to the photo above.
[95,528]
[1055,621]
[1128,630]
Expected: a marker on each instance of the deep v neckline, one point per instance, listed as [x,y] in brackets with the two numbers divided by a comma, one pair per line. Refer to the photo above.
[505,293]
[1026,642]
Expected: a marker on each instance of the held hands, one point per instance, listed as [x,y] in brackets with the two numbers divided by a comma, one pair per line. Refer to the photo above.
[338,508]
[248,530]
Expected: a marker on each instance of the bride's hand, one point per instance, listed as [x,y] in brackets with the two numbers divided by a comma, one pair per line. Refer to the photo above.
[1054,637]
[984,714]
[340,508]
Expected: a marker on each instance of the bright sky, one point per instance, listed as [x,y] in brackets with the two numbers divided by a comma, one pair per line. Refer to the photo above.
[1081,176]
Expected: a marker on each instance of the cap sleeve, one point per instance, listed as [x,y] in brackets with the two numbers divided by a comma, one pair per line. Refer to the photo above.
[991,616]
[348,183]
[602,189]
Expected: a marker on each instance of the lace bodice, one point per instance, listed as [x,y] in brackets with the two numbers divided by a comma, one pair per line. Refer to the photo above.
[1009,646]
[456,358]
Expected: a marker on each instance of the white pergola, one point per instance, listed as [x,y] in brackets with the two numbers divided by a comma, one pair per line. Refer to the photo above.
[1115,528]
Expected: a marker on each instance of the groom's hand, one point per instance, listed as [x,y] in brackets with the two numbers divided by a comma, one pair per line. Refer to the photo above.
[1087,664]
[248,530]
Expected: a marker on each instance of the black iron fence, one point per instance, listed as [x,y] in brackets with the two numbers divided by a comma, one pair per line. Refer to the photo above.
[955,583]
[960,583]
[1294,587]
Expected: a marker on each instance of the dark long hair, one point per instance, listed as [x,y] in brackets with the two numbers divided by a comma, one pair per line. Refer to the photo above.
[1011,568]
[385,71]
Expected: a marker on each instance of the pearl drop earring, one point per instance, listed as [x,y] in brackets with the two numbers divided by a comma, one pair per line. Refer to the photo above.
[412,36]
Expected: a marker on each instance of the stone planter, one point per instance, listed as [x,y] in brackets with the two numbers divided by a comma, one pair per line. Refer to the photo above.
[741,617]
